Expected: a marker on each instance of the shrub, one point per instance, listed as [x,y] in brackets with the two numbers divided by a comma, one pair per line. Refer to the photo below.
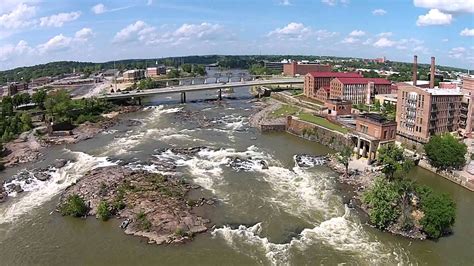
[103,211]
[143,222]
[74,206]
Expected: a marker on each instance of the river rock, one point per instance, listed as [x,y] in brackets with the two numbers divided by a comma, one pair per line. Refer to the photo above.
[59,163]
[3,194]
[14,188]
[42,176]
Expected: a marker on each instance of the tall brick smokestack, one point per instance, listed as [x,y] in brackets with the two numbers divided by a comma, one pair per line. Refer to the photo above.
[415,69]
[432,72]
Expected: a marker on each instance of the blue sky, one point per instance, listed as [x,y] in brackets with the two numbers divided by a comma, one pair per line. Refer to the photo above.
[40,31]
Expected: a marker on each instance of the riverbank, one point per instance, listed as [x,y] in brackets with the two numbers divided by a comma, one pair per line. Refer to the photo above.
[151,205]
[29,145]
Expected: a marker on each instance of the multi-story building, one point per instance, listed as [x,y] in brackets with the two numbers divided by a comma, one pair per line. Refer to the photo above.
[337,107]
[422,112]
[155,71]
[298,68]
[133,75]
[358,90]
[314,81]
[372,131]
[466,123]
[274,66]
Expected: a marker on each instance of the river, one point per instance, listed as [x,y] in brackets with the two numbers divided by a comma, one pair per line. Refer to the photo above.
[283,215]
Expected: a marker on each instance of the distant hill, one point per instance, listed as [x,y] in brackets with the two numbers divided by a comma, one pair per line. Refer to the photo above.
[225,61]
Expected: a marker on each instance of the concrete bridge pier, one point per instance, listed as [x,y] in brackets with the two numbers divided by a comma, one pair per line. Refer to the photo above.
[205,80]
[183,97]
[180,83]
[242,79]
[167,84]
[220,94]
[193,81]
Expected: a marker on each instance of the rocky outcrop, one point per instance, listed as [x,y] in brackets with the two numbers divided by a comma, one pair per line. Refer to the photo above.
[154,206]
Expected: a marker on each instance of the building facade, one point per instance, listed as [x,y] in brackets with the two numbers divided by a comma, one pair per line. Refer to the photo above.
[133,75]
[466,123]
[316,80]
[336,107]
[274,66]
[422,112]
[358,90]
[155,71]
[295,68]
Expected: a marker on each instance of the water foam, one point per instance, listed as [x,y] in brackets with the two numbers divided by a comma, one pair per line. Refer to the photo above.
[38,192]
[338,233]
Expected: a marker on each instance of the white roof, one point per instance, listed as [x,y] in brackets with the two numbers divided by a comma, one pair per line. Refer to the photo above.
[438,91]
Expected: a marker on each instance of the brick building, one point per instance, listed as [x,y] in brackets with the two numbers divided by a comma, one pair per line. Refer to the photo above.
[297,68]
[133,75]
[422,112]
[372,132]
[466,123]
[358,90]
[322,94]
[155,71]
[314,81]
[336,107]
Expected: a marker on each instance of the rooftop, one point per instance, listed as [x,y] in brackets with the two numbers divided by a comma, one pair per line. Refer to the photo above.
[359,80]
[438,91]
[374,117]
[335,74]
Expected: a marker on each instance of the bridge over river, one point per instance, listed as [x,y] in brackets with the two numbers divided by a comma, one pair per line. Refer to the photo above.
[202,87]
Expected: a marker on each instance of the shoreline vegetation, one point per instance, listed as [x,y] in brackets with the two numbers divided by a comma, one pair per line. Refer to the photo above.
[392,201]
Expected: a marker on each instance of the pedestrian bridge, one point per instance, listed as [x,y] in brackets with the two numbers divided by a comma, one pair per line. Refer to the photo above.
[202,87]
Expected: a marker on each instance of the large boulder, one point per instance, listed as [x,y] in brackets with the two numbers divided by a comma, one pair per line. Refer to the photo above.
[42,176]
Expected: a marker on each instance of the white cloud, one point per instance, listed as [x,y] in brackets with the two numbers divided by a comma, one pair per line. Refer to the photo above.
[285,3]
[384,42]
[298,31]
[58,20]
[457,52]
[83,35]
[467,32]
[335,2]
[142,32]
[57,43]
[9,51]
[385,34]
[445,40]
[379,12]
[149,2]
[291,31]
[20,17]
[450,6]
[434,17]
[99,9]
[133,32]
[350,40]
[357,33]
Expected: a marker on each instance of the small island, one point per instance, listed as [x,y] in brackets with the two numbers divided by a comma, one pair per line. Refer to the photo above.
[150,205]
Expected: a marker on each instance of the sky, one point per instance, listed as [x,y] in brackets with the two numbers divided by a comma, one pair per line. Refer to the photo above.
[40,31]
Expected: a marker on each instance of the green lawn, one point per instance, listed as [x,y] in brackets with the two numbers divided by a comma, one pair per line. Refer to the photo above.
[285,110]
[322,122]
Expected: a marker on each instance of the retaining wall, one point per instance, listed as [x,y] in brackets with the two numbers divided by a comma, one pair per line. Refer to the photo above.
[333,139]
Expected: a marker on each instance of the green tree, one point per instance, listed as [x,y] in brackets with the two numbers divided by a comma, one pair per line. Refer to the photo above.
[344,157]
[187,68]
[74,206]
[39,97]
[377,105]
[439,212]
[382,199]
[446,152]
[26,122]
[103,211]
[394,162]
[7,106]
